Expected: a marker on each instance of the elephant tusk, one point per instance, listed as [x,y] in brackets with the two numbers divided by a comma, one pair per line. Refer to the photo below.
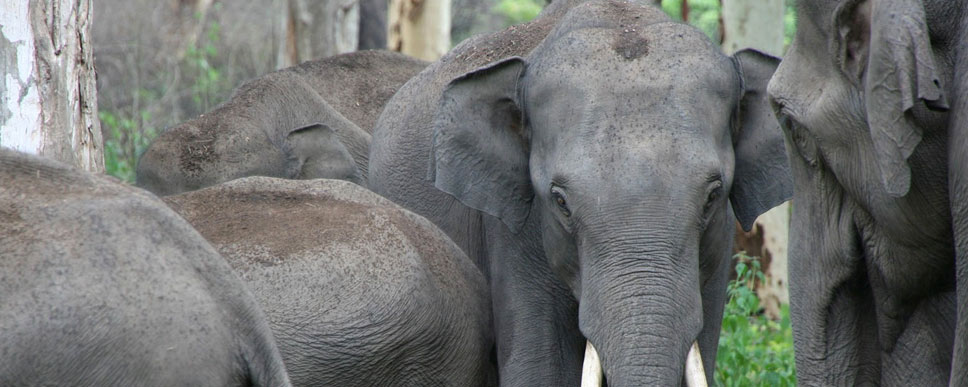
[591,370]
[695,374]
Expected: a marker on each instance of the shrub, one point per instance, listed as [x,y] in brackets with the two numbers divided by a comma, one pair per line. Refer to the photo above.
[128,140]
[753,350]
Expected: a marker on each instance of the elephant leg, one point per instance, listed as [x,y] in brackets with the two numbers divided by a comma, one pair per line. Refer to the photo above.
[958,191]
[535,315]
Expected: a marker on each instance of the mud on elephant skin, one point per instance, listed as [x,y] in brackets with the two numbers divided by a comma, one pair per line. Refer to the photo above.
[597,154]
[308,121]
[357,290]
[879,168]
[101,284]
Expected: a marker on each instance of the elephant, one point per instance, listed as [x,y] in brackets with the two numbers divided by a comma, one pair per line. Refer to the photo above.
[101,284]
[357,290]
[871,96]
[308,121]
[592,162]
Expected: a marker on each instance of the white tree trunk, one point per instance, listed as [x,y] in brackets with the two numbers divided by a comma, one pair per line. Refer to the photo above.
[314,29]
[48,97]
[759,24]
[753,23]
[419,28]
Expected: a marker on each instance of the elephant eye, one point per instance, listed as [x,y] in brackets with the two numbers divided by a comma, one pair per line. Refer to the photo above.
[804,145]
[559,197]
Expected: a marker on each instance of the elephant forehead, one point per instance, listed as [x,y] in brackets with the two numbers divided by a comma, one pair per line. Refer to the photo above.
[664,119]
[658,47]
[585,68]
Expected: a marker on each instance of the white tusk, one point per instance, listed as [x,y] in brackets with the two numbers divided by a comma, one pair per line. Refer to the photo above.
[591,370]
[695,374]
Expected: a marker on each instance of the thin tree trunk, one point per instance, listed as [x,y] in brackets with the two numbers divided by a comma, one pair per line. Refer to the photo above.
[373,24]
[48,99]
[317,29]
[419,28]
[189,21]
[759,24]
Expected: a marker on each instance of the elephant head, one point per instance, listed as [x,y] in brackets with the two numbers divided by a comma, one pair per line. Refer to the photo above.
[630,142]
[201,159]
[275,126]
[862,94]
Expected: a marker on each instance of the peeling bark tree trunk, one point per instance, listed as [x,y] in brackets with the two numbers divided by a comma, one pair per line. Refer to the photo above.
[48,97]
[317,29]
[419,28]
[759,24]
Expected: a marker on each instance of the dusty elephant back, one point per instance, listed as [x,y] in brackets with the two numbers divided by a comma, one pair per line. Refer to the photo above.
[359,84]
[101,284]
[357,290]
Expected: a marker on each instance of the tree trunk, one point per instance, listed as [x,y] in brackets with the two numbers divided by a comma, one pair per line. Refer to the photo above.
[317,29]
[48,97]
[419,28]
[759,24]
[373,24]
[753,23]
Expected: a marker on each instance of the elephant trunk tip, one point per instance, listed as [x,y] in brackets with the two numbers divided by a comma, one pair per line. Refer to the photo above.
[593,375]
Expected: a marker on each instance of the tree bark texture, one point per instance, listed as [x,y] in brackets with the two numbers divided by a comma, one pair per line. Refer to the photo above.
[419,28]
[758,24]
[48,95]
[317,29]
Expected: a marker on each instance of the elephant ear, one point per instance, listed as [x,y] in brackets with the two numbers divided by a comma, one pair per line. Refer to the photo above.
[315,151]
[480,144]
[900,72]
[762,178]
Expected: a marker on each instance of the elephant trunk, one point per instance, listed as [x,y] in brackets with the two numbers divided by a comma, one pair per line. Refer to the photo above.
[593,376]
[642,311]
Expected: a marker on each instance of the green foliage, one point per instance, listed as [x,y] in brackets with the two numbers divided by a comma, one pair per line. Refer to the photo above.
[207,84]
[518,11]
[753,350]
[789,23]
[128,133]
[703,14]
[128,140]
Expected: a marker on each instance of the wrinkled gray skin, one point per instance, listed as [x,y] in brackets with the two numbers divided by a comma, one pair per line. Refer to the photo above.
[101,284]
[357,290]
[304,122]
[592,178]
[864,93]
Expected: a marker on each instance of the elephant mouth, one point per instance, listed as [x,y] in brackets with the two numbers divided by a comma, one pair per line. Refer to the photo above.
[592,374]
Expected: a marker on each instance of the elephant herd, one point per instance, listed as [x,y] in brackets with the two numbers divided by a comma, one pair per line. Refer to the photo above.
[567,183]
